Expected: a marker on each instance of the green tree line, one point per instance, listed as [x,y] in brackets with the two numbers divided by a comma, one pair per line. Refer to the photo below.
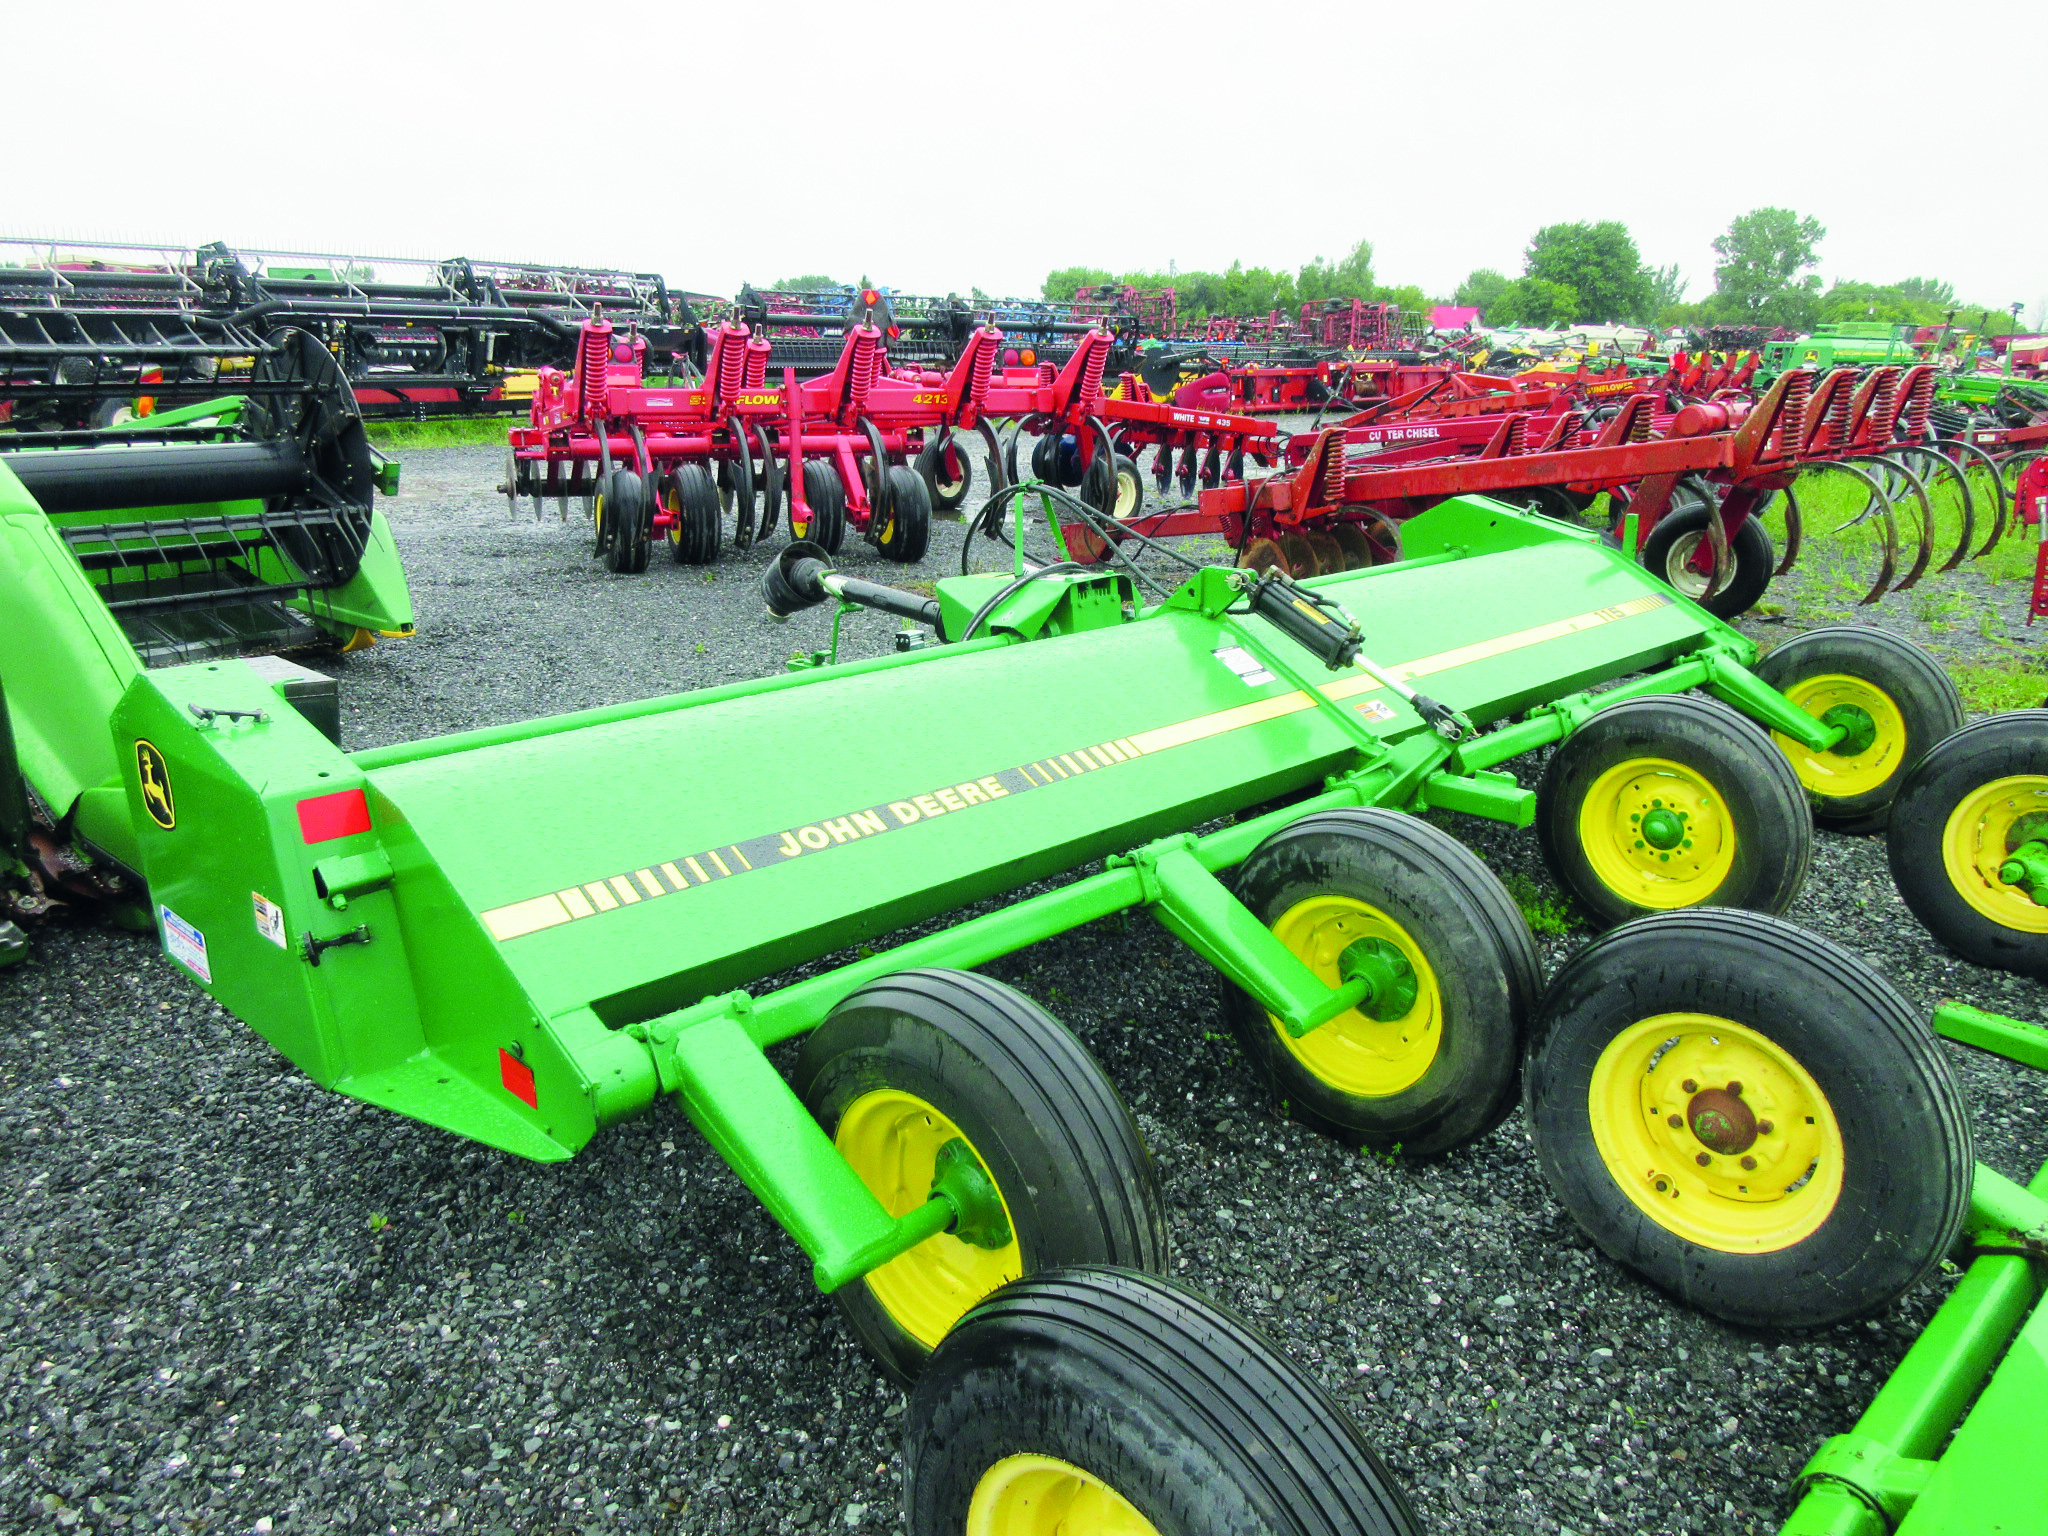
[1242,290]
[1588,273]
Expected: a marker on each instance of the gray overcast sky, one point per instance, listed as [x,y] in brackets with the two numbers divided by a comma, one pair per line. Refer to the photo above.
[933,147]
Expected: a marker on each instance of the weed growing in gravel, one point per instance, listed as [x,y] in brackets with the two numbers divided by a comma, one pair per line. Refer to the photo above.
[1550,916]
[379,1223]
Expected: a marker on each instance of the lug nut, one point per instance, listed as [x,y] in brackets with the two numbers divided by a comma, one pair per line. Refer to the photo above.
[1663,1185]
[1704,1161]
[1748,1164]
[1763,1127]
[1735,1088]
[1690,1086]
[1677,1122]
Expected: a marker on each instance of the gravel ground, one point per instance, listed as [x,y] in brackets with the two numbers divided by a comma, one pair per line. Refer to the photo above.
[234,1303]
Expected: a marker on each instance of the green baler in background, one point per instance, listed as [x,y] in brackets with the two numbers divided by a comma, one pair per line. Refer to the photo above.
[1845,344]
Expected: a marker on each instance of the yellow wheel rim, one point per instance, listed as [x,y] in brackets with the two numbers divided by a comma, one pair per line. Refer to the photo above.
[1657,833]
[1356,1053]
[1981,832]
[1029,1495]
[1881,742]
[1716,1133]
[892,1141]
[1128,491]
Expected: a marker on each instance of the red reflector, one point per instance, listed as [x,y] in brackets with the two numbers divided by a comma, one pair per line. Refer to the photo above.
[326,817]
[518,1078]
[869,296]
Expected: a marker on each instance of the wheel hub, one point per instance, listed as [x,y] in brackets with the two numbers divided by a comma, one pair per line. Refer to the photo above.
[1859,731]
[1721,1121]
[2027,870]
[1664,829]
[1391,985]
[959,1179]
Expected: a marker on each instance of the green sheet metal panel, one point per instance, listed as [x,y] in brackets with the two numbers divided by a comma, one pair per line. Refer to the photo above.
[640,864]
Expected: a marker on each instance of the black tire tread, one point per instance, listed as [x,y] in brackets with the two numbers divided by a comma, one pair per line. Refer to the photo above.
[1942,704]
[1470,881]
[1041,1067]
[1757,944]
[1775,781]
[1164,1344]
[1982,750]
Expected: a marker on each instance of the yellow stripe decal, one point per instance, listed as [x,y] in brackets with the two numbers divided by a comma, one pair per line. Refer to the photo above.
[525,917]
[558,907]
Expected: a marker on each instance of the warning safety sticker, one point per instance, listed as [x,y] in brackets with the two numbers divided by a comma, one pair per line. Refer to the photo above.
[269,919]
[187,945]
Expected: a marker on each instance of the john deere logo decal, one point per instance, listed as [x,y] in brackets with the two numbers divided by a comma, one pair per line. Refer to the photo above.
[156,785]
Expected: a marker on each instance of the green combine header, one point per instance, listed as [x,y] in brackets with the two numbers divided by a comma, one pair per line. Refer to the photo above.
[232,525]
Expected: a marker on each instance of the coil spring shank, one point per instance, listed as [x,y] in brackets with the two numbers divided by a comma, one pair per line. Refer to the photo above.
[865,366]
[1091,371]
[1919,405]
[985,343]
[1792,415]
[593,356]
[729,362]
[757,362]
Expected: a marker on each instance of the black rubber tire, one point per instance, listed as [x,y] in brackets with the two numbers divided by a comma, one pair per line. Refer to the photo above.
[627,514]
[907,532]
[1042,461]
[2003,746]
[693,537]
[826,499]
[1180,1406]
[946,496]
[771,483]
[1098,484]
[1751,557]
[1929,707]
[1906,1156]
[600,535]
[1470,933]
[1037,1108]
[1773,830]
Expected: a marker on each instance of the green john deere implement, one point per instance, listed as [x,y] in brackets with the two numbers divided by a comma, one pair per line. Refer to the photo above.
[417,927]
